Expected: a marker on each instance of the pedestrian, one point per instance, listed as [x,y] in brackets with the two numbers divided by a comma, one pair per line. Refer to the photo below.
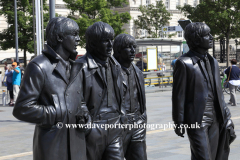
[9,74]
[16,80]
[173,62]
[233,73]
[141,64]
[21,68]
[5,67]
[13,60]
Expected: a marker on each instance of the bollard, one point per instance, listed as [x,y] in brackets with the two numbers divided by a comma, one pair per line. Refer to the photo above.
[4,97]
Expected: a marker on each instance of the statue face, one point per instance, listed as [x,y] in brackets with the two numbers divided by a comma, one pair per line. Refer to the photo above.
[104,48]
[206,40]
[70,43]
[127,54]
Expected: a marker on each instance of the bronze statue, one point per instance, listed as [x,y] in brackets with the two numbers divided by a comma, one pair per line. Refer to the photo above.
[197,98]
[102,83]
[50,96]
[134,140]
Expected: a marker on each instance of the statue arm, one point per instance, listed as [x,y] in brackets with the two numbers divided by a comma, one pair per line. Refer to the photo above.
[26,107]
[179,92]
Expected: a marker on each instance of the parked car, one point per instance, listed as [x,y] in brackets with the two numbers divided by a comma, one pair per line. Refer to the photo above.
[8,60]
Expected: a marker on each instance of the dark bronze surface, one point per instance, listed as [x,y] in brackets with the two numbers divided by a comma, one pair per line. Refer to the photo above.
[134,140]
[102,83]
[49,95]
[196,83]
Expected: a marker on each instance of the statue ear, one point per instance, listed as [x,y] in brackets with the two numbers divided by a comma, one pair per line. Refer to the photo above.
[59,38]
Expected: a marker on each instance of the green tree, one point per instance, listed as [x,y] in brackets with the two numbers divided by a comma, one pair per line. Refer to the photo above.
[25,25]
[153,18]
[222,16]
[87,12]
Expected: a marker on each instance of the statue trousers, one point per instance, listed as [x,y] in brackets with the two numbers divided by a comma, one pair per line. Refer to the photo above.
[204,140]
[105,143]
[134,142]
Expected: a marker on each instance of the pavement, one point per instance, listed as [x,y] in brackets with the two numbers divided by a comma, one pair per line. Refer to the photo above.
[162,144]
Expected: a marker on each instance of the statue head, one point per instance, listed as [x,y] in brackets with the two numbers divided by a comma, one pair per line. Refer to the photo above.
[198,35]
[62,35]
[99,40]
[124,48]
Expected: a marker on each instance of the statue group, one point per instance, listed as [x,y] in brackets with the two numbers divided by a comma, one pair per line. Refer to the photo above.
[96,89]
[101,89]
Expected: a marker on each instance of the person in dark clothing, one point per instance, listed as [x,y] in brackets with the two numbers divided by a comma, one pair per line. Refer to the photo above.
[21,69]
[234,81]
[141,64]
[134,140]
[9,74]
[197,96]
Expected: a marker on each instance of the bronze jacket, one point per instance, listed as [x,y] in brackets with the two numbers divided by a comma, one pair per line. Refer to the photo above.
[47,97]
[141,91]
[94,86]
[190,91]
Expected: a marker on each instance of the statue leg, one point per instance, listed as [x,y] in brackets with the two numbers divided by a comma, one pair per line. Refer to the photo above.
[96,142]
[114,148]
[136,151]
[204,141]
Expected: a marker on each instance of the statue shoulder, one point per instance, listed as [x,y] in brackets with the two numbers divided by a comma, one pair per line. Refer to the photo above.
[83,59]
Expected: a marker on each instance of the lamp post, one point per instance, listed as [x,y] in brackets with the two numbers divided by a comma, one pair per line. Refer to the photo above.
[16,29]
[221,50]
[38,27]
[52,8]
[236,42]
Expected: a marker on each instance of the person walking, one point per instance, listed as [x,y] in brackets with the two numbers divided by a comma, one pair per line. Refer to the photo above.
[233,73]
[16,80]
[9,74]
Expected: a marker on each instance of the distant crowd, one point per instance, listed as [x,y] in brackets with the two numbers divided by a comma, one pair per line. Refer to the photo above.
[13,75]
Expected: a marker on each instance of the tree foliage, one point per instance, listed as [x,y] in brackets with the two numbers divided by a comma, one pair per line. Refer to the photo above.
[87,12]
[25,25]
[222,16]
[153,18]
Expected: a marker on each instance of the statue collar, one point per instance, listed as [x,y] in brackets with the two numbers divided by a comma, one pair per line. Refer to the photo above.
[93,64]
[49,52]
[197,57]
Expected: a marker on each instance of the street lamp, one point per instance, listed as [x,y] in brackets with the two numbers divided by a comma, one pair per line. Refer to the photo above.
[236,43]
[16,28]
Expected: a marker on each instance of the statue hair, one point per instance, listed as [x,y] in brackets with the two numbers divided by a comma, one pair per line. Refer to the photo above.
[96,32]
[122,41]
[194,32]
[59,26]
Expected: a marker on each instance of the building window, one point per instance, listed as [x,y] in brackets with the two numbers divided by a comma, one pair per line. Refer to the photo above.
[167,4]
[148,2]
[195,3]
[185,2]
[180,34]
[177,3]
[143,32]
[162,34]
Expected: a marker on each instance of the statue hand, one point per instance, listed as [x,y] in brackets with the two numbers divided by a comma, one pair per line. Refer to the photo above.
[84,117]
[180,130]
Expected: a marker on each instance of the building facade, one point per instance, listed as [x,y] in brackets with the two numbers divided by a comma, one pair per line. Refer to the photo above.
[171,6]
